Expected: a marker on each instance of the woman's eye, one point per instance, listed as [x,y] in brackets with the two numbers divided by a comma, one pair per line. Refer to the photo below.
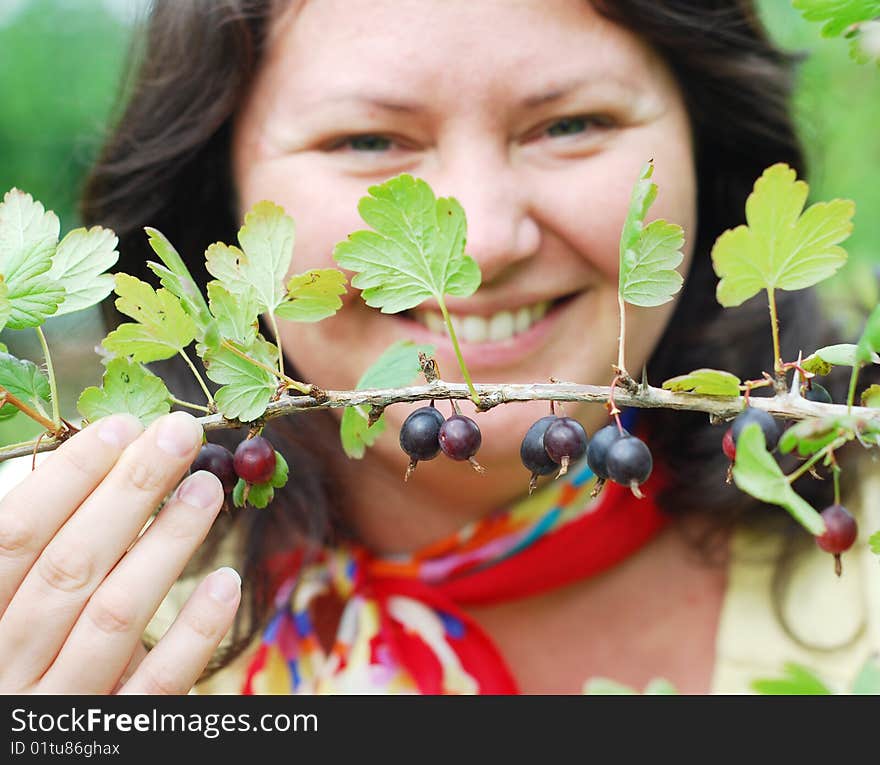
[365,143]
[576,125]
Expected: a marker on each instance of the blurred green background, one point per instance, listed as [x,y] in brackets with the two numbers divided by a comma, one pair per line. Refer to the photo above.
[60,62]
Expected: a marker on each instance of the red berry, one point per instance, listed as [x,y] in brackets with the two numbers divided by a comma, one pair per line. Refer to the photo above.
[255,460]
[841,530]
[728,445]
[460,437]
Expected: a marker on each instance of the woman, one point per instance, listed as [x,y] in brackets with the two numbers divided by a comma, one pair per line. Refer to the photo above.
[537,117]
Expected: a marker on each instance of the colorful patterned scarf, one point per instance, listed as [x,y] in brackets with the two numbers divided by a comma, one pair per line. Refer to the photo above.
[401,628]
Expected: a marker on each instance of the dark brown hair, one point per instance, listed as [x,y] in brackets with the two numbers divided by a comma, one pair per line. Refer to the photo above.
[166,163]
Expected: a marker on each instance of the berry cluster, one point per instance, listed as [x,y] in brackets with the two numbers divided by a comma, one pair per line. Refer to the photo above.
[841,528]
[613,453]
[254,462]
[426,432]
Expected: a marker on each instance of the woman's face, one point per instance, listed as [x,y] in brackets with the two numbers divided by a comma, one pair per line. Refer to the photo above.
[537,116]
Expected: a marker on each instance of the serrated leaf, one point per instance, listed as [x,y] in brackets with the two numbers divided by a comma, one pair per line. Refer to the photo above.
[795,681]
[126,387]
[236,315]
[163,328]
[871,396]
[867,682]
[416,250]
[260,265]
[780,248]
[247,388]
[261,494]
[756,473]
[707,382]
[313,296]
[813,434]
[840,355]
[176,278]
[398,366]
[603,686]
[79,264]
[869,342]
[24,380]
[838,15]
[649,254]
[5,305]
[28,237]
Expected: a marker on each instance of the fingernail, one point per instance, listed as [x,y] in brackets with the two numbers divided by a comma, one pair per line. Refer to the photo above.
[119,430]
[201,489]
[224,585]
[178,434]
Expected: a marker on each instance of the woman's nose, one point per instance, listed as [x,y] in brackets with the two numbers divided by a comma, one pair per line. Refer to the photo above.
[501,230]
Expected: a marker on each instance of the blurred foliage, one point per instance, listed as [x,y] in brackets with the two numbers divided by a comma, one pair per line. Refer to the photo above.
[61,61]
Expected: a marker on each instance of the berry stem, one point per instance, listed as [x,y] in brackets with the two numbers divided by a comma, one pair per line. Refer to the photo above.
[199,380]
[836,471]
[829,449]
[53,387]
[199,407]
[851,394]
[278,343]
[464,370]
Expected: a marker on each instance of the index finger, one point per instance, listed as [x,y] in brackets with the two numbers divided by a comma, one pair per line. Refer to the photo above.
[34,510]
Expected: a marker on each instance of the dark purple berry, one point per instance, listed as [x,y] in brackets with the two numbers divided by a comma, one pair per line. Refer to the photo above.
[460,437]
[764,419]
[254,460]
[532,452]
[218,460]
[565,438]
[419,434]
[841,530]
[629,461]
[819,394]
[597,451]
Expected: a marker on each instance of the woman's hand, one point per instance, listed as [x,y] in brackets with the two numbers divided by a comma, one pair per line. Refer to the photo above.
[74,599]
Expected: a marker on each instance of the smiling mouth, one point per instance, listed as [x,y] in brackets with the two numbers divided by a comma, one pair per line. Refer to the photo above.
[496,328]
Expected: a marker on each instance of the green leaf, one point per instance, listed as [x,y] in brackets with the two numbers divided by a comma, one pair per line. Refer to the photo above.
[24,380]
[756,473]
[416,250]
[838,15]
[247,388]
[648,255]
[867,682]
[874,542]
[79,264]
[236,315]
[796,680]
[840,355]
[660,687]
[176,278]
[869,342]
[28,237]
[313,296]
[266,240]
[708,382]
[603,686]
[398,366]
[126,387]
[781,248]
[871,396]
[261,494]
[5,304]
[163,328]
[238,492]
[815,433]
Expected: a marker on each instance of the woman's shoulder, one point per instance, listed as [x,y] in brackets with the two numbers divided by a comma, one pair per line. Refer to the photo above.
[802,612]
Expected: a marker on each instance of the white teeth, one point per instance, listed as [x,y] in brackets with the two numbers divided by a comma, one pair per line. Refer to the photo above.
[501,326]
[474,329]
[523,319]
[478,329]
